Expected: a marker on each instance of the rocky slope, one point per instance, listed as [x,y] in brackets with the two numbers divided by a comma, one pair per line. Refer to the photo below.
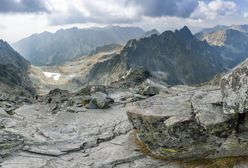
[106,49]
[232,43]
[173,57]
[57,48]
[196,123]
[73,130]
[14,72]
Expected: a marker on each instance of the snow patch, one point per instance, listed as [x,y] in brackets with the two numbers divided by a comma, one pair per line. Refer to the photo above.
[55,76]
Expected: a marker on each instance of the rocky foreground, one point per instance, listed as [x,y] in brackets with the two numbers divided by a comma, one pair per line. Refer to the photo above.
[94,128]
[86,129]
[196,123]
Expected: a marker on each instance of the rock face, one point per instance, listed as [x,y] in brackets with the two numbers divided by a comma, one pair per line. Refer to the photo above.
[64,45]
[234,87]
[14,77]
[189,124]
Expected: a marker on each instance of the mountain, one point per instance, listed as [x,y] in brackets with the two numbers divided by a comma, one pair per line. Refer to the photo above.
[174,57]
[149,33]
[106,49]
[233,43]
[56,48]
[241,28]
[13,71]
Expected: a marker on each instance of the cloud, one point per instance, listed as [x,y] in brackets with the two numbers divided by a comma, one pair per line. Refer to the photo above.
[159,8]
[214,9]
[2,27]
[245,14]
[121,11]
[93,12]
[23,6]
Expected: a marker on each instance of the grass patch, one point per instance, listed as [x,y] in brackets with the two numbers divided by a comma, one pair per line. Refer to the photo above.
[143,147]
[226,162]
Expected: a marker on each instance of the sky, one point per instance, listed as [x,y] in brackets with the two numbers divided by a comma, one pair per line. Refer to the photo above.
[21,18]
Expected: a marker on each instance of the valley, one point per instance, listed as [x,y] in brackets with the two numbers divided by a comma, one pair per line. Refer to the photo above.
[46,78]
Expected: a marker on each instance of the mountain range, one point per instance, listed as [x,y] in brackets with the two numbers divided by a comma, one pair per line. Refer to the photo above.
[67,44]
[173,57]
[241,28]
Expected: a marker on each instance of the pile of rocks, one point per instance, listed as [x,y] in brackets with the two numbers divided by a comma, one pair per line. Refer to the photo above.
[90,97]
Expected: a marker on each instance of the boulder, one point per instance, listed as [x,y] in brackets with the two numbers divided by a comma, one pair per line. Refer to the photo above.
[150,91]
[99,101]
[57,96]
[189,125]
[234,87]
[90,89]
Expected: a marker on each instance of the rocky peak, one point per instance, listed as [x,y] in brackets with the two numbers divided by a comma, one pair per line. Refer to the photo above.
[184,33]
[149,34]
[4,45]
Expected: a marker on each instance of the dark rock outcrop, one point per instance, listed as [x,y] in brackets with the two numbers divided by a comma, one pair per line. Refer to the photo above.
[14,77]
[173,57]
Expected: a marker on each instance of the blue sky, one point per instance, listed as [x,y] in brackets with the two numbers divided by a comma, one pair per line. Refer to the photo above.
[21,18]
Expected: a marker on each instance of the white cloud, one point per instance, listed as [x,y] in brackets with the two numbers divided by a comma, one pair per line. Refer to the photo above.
[84,11]
[245,14]
[116,12]
[147,14]
[214,9]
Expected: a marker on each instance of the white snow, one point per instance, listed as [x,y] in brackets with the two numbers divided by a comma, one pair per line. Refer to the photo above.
[55,76]
[72,76]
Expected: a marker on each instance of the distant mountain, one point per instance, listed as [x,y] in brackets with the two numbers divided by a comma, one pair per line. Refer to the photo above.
[174,57]
[56,48]
[149,34]
[13,71]
[241,28]
[233,43]
[106,49]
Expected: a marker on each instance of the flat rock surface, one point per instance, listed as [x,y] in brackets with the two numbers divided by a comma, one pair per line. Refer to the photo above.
[91,139]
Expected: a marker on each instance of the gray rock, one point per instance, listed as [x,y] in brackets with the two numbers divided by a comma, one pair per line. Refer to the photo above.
[10,142]
[208,109]
[150,91]
[99,101]
[234,87]
[190,124]
[90,89]
[75,109]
